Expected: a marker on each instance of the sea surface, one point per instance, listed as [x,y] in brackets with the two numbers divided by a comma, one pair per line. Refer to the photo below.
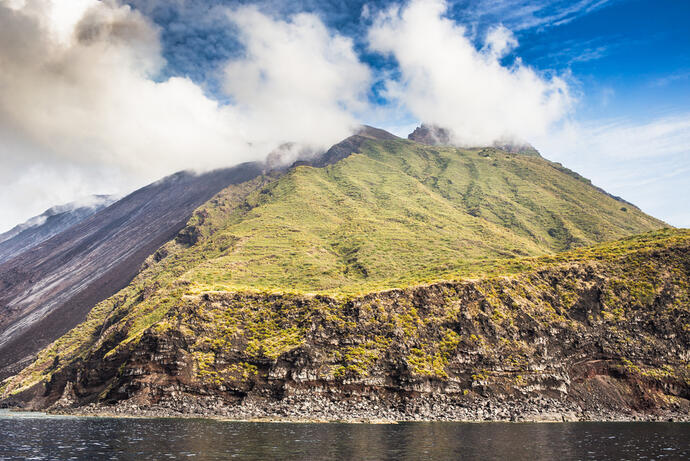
[35,436]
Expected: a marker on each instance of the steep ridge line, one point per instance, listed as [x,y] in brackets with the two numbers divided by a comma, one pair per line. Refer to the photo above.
[51,222]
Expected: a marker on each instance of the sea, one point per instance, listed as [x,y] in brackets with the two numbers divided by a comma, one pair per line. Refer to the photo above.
[37,436]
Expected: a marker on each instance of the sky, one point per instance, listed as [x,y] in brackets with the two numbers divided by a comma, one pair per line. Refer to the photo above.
[102,97]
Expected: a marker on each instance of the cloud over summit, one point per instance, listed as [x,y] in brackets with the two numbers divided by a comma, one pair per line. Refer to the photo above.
[444,80]
[102,96]
[83,108]
[88,105]
[296,79]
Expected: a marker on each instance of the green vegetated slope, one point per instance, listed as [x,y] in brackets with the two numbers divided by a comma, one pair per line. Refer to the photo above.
[394,214]
[397,212]
[624,301]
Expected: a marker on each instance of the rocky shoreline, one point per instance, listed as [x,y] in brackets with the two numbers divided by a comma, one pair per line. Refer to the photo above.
[371,409]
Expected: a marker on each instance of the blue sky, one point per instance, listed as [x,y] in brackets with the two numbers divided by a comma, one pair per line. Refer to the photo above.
[629,58]
[628,61]
[606,87]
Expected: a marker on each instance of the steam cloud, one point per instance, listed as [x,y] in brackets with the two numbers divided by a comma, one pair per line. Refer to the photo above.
[84,109]
[81,111]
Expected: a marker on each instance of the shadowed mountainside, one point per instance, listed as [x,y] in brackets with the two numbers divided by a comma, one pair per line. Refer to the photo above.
[50,288]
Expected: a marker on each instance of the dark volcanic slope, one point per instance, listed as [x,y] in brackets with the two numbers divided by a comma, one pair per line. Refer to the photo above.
[51,222]
[49,289]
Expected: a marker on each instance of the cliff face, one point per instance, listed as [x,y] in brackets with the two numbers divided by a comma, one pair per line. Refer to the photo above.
[603,329]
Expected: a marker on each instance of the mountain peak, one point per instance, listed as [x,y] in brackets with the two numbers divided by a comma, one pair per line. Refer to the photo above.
[370,132]
[434,135]
[351,144]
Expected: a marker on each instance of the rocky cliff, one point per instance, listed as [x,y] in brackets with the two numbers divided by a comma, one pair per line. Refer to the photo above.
[593,333]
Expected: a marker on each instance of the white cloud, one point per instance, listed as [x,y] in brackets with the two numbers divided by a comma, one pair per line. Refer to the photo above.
[499,42]
[670,78]
[446,81]
[83,108]
[529,14]
[82,111]
[622,140]
[297,79]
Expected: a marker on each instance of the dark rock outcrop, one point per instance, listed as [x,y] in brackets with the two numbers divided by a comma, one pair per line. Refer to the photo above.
[431,135]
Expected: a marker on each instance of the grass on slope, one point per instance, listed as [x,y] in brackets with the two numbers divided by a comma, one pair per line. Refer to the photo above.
[396,214]
[401,212]
[154,293]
